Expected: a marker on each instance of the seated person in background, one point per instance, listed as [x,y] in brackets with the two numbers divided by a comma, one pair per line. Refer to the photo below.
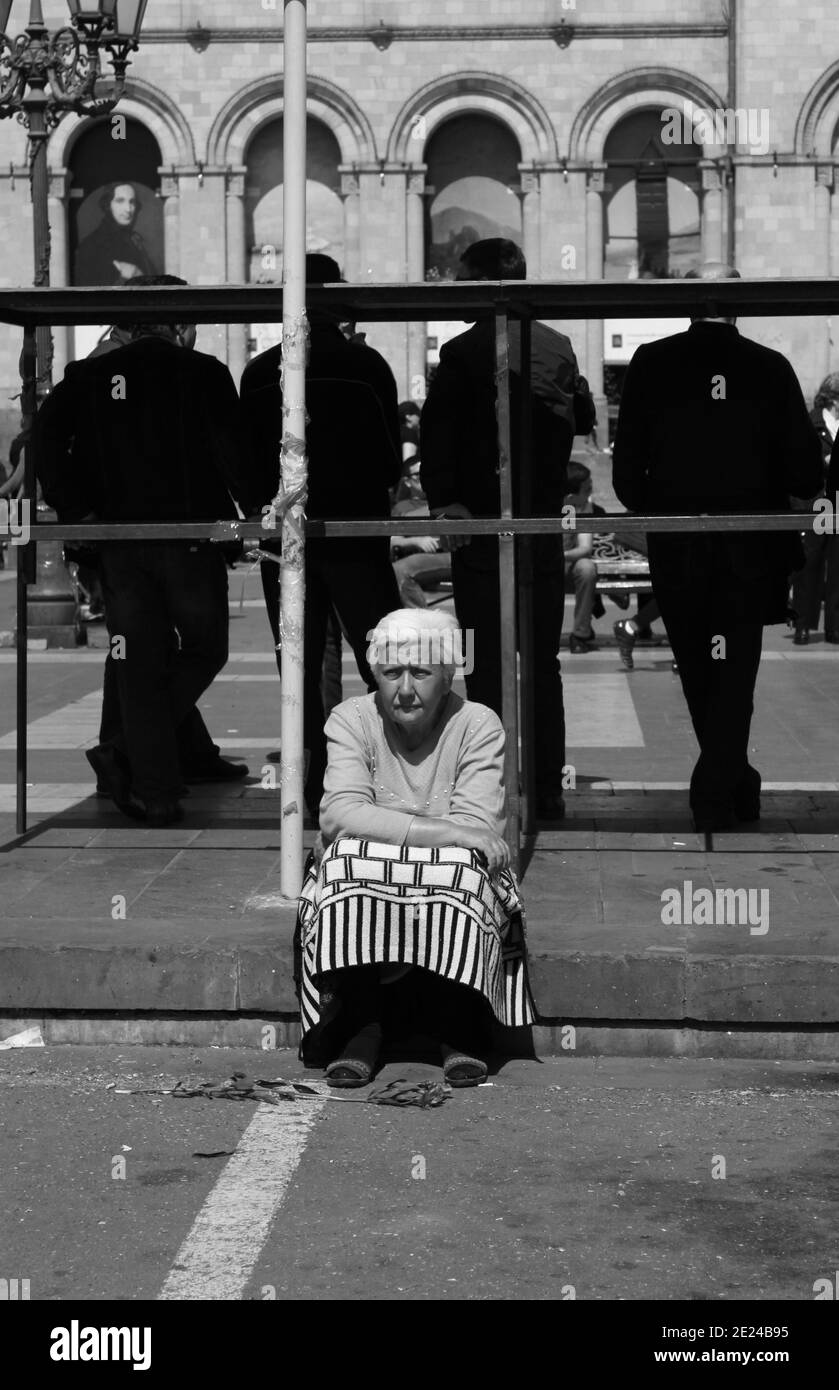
[419,562]
[412,909]
[580,567]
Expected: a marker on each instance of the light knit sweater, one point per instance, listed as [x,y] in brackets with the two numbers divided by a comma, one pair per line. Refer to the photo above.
[374,786]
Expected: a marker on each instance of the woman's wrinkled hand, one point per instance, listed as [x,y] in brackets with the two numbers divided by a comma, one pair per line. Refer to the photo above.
[485,841]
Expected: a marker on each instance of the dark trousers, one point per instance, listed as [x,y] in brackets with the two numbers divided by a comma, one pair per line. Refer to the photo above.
[719,689]
[819,579]
[354,580]
[477,598]
[196,750]
[331,685]
[151,589]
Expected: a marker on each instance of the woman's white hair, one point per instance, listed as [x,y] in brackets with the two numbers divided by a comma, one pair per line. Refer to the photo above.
[428,636]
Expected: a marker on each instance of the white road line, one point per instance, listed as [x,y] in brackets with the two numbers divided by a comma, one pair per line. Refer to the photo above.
[600,713]
[70,726]
[218,1256]
[47,798]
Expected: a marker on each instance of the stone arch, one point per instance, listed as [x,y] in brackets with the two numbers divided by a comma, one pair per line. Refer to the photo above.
[145,103]
[484,93]
[633,91]
[261,101]
[819,116]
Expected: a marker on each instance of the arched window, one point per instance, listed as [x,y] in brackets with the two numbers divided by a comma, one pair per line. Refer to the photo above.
[652,201]
[264,209]
[116,218]
[473,181]
[264,198]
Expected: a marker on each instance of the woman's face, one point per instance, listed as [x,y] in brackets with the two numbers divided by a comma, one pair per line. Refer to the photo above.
[123,205]
[412,694]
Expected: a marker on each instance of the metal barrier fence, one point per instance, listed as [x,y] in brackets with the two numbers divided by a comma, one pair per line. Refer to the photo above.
[504,301]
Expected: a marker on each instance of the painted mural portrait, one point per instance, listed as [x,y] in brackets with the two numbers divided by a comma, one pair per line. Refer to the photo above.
[117,251]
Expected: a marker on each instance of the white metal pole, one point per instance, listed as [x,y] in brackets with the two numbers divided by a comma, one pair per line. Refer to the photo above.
[293,463]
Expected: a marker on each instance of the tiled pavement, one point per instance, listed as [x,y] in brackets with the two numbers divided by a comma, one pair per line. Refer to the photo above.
[204,930]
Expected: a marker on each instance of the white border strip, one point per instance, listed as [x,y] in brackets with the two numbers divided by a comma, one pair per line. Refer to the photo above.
[218,1256]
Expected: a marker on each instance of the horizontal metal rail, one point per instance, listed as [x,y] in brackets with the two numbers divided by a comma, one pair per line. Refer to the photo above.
[566,299]
[426,526]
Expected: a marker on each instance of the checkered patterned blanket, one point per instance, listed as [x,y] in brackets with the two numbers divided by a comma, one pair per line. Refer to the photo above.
[371,903]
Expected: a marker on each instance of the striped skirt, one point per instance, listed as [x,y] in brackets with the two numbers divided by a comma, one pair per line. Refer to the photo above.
[371,904]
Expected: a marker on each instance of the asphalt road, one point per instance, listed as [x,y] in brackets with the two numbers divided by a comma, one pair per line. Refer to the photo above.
[630,1180]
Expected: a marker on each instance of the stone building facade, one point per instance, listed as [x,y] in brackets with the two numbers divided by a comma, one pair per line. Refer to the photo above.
[423,119]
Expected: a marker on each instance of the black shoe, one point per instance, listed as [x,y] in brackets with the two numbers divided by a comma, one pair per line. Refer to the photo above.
[219,771]
[625,638]
[550,807]
[582,644]
[801,636]
[113,773]
[747,796]
[832,637]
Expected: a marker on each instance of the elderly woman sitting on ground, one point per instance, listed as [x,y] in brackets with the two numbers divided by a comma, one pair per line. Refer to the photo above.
[411,914]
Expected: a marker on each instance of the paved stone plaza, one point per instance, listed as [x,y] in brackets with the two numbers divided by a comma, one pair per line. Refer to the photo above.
[204,931]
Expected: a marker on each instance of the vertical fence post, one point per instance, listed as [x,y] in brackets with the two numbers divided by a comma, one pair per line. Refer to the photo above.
[526,545]
[507,578]
[293,456]
[25,568]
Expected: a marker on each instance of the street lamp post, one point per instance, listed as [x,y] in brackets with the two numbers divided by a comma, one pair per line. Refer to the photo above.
[42,77]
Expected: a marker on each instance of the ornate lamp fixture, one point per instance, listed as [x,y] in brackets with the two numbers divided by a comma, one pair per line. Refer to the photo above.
[44,75]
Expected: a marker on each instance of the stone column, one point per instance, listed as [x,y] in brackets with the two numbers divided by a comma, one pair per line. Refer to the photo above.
[530,220]
[352,223]
[712,228]
[59,189]
[417,335]
[170,194]
[236,264]
[595,189]
[827,235]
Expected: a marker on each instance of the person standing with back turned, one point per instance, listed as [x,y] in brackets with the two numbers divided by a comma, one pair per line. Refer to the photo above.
[749,447]
[352,443]
[459,470]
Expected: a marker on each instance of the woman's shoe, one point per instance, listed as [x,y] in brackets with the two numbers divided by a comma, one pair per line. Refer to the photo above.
[358,1060]
[582,644]
[348,1072]
[459,1069]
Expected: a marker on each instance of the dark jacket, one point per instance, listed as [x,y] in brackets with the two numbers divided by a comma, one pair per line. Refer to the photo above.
[106,244]
[678,449]
[166,447]
[459,428]
[833,473]
[352,435]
